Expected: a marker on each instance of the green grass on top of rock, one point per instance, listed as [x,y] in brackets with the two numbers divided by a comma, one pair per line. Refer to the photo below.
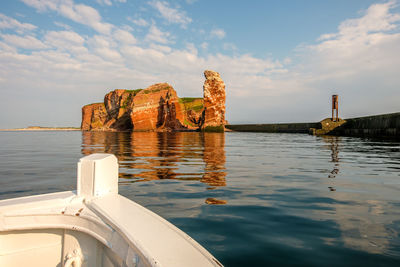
[94,104]
[132,94]
[192,103]
[184,100]
[197,108]
[157,89]
[186,122]
[152,91]
[135,91]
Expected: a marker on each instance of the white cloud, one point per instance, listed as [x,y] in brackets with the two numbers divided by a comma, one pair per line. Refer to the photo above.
[63,38]
[190,47]
[101,41]
[230,46]
[25,42]
[79,13]
[218,33]
[156,35]
[86,15]
[172,15]
[10,23]
[161,48]
[127,28]
[287,61]
[139,22]
[105,47]
[43,5]
[7,48]
[108,54]
[204,45]
[109,2]
[62,25]
[124,37]
[377,18]
[66,41]
[359,45]
[105,2]
[243,64]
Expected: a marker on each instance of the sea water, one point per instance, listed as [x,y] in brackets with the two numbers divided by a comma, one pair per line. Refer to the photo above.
[251,199]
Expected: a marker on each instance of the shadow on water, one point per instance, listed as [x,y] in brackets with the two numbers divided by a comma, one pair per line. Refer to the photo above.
[148,156]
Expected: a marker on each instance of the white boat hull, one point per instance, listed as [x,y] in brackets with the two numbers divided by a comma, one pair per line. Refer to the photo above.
[94,226]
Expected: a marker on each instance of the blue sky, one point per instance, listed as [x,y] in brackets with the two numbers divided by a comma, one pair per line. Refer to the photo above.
[280,60]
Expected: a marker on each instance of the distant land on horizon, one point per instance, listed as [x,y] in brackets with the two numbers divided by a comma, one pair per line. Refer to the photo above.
[42,128]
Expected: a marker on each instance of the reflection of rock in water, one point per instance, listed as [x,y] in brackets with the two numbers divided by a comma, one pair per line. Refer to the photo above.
[214,157]
[146,156]
[160,152]
[105,142]
[214,201]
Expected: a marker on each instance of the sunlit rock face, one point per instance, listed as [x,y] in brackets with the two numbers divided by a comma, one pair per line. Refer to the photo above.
[214,102]
[158,108]
[118,104]
[193,111]
[93,116]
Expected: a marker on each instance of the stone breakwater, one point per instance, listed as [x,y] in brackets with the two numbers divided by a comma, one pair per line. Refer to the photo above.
[158,108]
[378,126]
[385,125]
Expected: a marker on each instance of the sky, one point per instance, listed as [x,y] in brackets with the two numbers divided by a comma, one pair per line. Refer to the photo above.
[281,60]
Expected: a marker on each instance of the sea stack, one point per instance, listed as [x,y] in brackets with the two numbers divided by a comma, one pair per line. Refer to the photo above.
[214,102]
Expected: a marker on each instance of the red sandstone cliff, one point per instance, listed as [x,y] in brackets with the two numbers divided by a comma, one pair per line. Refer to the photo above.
[156,108]
[93,116]
[214,102]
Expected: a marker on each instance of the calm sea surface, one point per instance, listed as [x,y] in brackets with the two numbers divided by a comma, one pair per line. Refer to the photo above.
[251,199]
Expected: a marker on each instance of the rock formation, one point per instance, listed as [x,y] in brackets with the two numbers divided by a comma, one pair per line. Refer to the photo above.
[93,116]
[214,102]
[158,108]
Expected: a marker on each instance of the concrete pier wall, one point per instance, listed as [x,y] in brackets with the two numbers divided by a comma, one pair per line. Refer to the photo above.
[274,128]
[385,125]
[380,126]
